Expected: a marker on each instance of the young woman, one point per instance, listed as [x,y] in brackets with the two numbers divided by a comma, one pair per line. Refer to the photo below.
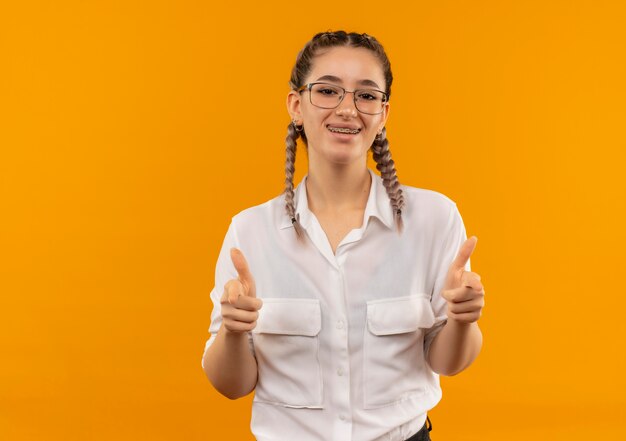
[340,302]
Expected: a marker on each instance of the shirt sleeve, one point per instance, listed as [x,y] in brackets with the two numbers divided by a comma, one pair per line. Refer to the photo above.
[224,271]
[454,238]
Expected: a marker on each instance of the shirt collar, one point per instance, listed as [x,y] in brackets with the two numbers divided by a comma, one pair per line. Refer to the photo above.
[378,204]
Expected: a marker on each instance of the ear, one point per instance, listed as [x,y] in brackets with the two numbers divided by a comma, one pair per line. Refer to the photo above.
[384,117]
[293,105]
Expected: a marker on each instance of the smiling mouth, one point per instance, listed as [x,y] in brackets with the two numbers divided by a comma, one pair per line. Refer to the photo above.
[343,130]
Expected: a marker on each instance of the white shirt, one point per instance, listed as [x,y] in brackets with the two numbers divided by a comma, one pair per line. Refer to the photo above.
[341,338]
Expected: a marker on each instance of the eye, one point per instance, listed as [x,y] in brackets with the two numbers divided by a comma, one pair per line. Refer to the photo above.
[327,91]
[368,96]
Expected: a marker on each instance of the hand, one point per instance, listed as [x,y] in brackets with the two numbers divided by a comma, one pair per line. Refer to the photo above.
[240,307]
[462,289]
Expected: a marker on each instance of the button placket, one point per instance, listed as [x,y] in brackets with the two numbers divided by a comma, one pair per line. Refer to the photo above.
[342,374]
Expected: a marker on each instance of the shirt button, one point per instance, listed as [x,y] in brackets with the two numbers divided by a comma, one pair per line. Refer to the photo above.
[340,372]
[340,324]
[342,417]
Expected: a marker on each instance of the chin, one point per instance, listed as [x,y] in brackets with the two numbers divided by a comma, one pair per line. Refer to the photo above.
[346,159]
[339,153]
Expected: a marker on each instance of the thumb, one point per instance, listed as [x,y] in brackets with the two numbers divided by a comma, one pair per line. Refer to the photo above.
[464,254]
[245,276]
[457,267]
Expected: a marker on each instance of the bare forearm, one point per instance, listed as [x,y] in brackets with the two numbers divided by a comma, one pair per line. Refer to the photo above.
[230,365]
[455,347]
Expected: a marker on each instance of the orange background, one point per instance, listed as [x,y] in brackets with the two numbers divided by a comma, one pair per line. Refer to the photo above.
[131,132]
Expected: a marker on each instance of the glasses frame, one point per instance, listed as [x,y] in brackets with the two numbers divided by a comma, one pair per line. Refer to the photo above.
[309,86]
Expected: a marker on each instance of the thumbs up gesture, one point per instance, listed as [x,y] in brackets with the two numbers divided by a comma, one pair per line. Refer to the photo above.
[240,307]
[462,289]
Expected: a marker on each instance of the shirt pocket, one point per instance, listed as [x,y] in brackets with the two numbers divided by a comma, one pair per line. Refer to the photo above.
[393,353]
[286,345]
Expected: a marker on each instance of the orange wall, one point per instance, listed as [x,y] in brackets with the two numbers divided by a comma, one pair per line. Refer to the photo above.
[131,132]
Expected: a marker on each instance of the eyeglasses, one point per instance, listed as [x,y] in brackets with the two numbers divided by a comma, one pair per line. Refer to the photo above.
[329,96]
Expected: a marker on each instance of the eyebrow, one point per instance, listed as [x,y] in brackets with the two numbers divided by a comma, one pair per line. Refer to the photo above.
[338,80]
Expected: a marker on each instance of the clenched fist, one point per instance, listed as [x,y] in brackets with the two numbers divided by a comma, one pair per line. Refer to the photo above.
[462,289]
[240,307]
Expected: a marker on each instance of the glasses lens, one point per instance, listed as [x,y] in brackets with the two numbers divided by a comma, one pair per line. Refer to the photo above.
[369,101]
[326,95]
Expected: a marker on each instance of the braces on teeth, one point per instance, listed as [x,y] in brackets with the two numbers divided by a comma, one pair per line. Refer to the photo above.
[340,130]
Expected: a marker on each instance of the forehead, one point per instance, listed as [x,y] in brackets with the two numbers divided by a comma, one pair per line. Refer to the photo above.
[350,65]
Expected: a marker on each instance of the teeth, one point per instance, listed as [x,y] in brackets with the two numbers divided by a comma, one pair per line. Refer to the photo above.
[343,130]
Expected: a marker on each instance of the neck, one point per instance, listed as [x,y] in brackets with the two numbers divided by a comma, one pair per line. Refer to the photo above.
[338,189]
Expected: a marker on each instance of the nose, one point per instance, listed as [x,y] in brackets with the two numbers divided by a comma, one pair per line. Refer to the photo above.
[346,106]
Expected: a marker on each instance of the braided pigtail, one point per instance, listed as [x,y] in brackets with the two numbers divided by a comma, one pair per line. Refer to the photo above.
[290,161]
[386,166]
